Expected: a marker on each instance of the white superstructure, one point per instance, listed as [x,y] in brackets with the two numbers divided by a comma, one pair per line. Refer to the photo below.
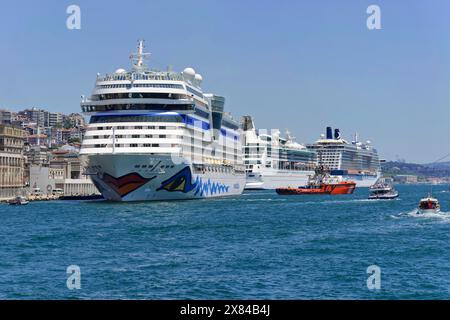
[154,135]
[273,162]
[355,161]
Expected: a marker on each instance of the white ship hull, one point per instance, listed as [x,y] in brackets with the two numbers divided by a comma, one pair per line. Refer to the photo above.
[122,177]
[276,179]
[362,181]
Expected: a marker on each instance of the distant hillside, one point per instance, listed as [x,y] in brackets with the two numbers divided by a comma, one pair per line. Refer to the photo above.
[440,169]
[440,165]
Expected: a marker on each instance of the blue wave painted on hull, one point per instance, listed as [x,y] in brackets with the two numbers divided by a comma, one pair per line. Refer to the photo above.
[182,182]
[212,187]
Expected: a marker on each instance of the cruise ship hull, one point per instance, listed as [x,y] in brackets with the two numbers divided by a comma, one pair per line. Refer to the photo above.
[362,181]
[141,177]
[272,181]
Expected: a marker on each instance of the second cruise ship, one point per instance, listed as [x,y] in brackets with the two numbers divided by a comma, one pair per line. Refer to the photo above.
[273,162]
[154,135]
[356,161]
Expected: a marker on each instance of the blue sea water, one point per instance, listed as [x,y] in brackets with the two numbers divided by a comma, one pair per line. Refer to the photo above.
[256,246]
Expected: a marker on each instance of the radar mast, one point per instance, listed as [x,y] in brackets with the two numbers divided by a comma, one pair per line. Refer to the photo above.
[138,59]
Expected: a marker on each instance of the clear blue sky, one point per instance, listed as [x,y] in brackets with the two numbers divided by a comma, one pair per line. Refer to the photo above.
[300,65]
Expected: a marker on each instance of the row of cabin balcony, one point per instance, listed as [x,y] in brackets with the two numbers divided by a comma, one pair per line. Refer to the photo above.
[89,142]
[179,140]
[133,132]
[133,126]
[101,149]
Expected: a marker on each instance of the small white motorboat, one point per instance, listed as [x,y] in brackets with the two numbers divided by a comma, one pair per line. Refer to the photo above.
[18,201]
[382,190]
[429,205]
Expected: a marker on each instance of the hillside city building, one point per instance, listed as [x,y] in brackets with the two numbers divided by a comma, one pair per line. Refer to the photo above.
[39,153]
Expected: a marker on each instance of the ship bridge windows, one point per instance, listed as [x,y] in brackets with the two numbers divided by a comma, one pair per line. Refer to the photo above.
[229,125]
[195,92]
[201,113]
[138,106]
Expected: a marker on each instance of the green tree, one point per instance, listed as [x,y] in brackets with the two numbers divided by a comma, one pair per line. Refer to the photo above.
[74,140]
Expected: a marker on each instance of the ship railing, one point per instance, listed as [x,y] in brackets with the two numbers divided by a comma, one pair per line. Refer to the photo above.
[167,76]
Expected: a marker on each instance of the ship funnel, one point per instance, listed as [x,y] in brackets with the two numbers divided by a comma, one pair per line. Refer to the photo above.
[337,134]
[329,133]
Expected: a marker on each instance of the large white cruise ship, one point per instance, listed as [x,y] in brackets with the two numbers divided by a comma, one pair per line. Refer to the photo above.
[273,162]
[153,135]
[355,161]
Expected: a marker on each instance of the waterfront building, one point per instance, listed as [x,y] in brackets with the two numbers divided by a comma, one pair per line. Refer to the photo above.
[11,161]
[405,178]
[36,154]
[65,171]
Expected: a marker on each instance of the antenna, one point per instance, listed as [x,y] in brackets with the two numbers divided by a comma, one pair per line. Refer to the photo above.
[288,135]
[139,57]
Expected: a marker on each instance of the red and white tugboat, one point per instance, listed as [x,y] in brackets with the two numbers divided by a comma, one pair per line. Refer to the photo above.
[321,183]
